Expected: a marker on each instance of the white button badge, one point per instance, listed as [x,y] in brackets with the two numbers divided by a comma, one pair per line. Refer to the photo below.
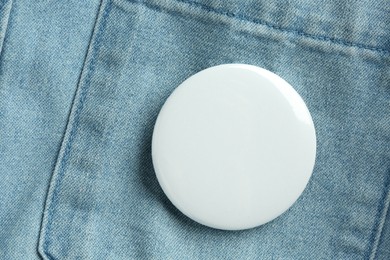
[234,146]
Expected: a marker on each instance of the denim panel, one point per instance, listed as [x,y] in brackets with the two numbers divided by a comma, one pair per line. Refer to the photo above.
[104,201]
[43,52]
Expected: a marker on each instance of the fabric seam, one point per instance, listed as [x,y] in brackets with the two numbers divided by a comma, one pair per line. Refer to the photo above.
[220,11]
[83,89]
[8,5]
[383,209]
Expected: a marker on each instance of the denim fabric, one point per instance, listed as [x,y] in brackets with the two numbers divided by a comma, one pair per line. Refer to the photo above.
[82,82]
[44,47]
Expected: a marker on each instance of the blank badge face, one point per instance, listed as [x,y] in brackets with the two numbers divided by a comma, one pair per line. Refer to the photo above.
[234,146]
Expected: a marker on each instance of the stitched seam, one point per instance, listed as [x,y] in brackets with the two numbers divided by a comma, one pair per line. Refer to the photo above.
[83,91]
[383,208]
[4,27]
[279,28]
[240,17]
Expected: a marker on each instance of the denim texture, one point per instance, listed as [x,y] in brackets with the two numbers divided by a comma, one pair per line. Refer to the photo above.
[82,82]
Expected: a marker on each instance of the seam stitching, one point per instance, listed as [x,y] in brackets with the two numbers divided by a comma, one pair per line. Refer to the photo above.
[7,8]
[279,28]
[383,208]
[83,89]
[240,17]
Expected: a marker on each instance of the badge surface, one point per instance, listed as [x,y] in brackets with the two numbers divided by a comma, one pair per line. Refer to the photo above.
[234,146]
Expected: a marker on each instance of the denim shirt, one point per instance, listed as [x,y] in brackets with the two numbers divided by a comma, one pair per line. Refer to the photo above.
[82,82]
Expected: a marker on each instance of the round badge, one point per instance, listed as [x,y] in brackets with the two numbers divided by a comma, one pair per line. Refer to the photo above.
[234,146]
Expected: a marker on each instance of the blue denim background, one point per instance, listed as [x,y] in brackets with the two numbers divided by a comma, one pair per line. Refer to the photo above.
[81,84]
